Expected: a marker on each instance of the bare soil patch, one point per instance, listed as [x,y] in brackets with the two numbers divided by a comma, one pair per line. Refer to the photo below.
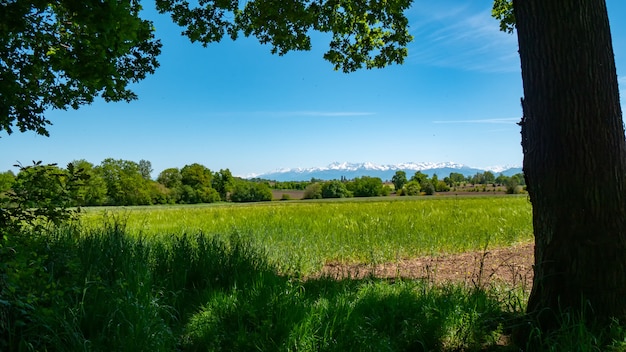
[512,266]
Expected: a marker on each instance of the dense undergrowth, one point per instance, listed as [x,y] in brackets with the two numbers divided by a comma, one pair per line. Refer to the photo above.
[103,290]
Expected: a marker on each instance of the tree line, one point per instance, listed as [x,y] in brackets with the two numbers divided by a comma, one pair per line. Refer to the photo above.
[118,182]
[417,184]
[421,183]
[122,182]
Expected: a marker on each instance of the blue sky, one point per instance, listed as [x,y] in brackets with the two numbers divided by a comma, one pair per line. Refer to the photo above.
[234,105]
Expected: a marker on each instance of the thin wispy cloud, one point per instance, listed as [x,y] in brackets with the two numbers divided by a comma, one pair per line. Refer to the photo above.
[309,113]
[465,37]
[278,113]
[507,120]
[330,113]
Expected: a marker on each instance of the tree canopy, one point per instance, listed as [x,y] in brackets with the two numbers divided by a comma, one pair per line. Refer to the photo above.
[369,34]
[62,54]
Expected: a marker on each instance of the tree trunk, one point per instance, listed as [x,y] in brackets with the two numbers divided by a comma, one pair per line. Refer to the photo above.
[574,158]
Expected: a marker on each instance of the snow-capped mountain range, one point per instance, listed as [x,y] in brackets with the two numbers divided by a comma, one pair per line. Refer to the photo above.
[348,170]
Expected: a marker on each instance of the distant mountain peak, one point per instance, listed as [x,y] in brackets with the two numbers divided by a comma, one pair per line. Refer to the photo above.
[337,170]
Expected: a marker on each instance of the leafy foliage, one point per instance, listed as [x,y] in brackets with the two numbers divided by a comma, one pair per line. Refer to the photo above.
[124,182]
[399,179]
[250,192]
[93,190]
[313,191]
[412,188]
[63,54]
[370,34]
[6,180]
[335,189]
[366,186]
[222,182]
[503,11]
[40,195]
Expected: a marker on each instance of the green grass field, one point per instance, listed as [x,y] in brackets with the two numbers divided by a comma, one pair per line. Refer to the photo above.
[229,278]
[302,235]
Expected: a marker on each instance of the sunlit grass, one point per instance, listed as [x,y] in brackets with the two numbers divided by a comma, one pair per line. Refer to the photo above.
[139,283]
[303,235]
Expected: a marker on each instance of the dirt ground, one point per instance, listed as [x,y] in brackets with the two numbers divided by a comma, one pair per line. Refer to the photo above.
[512,266]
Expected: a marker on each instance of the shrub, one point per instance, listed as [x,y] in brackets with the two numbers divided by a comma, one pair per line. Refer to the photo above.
[250,192]
[412,188]
[428,188]
[313,191]
[441,186]
[366,186]
[334,189]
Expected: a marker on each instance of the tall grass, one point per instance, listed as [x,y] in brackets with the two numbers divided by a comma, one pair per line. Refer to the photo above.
[304,235]
[117,287]
[115,292]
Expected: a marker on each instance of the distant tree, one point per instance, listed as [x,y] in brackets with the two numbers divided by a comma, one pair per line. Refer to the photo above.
[125,184]
[196,175]
[456,178]
[223,182]
[488,177]
[145,169]
[246,191]
[334,189]
[170,178]
[399,179]
[412,188]
[441,186]
[366,186]
[6,180]
[478,179]
[521,178]
[197,185]
[93,190]
[501,179]
[513,185]
[187,195]
[419,177]
[207,195]
[428,188]
[313,191]
[159,194]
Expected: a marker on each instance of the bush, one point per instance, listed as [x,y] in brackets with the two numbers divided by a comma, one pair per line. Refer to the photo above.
[513,185]
[441,186]
[40,195]
[250,192]
[428,188]
[313,191]
[366,186]
[334,189]
[412,188]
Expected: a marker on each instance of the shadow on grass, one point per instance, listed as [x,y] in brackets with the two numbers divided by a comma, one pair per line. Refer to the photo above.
[257,309]
[104,290]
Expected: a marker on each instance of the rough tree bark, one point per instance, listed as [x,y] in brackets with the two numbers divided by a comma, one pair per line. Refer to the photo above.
[574,158]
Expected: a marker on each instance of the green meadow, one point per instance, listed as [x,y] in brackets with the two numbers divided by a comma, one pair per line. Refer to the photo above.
[303,235]
[227,277]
